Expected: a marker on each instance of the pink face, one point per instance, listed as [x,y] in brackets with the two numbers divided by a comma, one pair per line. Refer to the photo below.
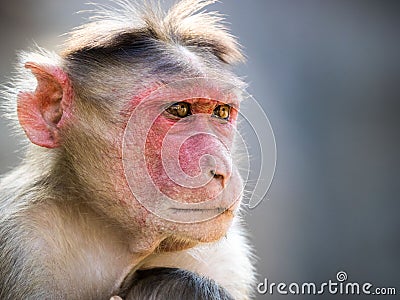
[185,151]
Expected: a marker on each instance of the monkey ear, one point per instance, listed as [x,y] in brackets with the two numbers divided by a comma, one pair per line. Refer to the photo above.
[42,112]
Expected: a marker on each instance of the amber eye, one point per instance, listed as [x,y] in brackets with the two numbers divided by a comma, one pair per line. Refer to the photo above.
[180,109]
[222,111]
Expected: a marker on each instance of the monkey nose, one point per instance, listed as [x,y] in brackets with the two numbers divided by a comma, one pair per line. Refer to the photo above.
[220,176]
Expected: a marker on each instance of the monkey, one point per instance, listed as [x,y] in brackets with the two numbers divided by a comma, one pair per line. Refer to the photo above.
[127,187]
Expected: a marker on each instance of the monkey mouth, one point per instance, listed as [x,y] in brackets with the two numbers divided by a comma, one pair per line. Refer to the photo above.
[196,215]
[209,210]
[217,210]
[184,212]
[203,213]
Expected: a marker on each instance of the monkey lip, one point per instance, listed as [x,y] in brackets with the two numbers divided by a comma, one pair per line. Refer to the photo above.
[190,215]
[207,211]
[217,210]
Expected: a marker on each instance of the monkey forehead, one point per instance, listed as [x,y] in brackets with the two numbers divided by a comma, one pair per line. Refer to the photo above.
[207,102]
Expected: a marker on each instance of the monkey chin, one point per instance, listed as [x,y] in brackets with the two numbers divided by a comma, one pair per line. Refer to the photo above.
[185,236]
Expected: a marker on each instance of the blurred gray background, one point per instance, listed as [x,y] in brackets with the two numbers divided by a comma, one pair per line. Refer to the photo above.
[327,73]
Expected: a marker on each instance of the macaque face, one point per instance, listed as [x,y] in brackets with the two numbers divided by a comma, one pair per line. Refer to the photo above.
[178,145]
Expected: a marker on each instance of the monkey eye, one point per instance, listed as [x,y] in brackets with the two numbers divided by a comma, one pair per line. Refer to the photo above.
[180,109]
[222,112]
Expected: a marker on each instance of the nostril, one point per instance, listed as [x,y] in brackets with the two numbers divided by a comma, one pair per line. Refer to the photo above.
[215,175]
[223,179]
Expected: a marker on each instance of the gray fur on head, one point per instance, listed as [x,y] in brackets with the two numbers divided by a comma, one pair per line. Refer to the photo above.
[179,26]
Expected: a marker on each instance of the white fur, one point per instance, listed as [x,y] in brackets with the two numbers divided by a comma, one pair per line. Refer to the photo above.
[228,262]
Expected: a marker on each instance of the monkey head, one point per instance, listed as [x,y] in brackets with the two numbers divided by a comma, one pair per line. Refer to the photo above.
[140,125]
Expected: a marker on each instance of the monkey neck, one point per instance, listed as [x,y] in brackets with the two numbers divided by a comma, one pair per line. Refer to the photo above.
[78,232]
[74,239]
[172,244]
[69,233]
